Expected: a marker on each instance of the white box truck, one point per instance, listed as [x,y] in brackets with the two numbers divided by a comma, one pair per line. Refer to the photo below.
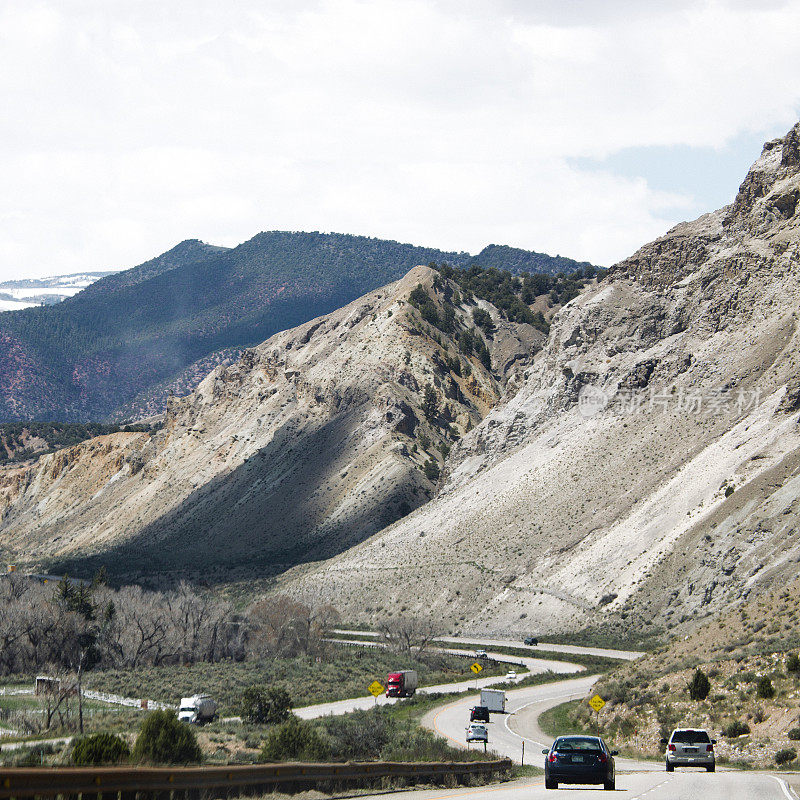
[494,700]
[198,709]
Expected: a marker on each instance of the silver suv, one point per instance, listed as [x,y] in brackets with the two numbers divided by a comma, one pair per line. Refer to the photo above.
[688,747]
[477,733]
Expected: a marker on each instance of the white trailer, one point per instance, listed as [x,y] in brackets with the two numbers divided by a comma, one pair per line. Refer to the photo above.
[494,700]
[197,709]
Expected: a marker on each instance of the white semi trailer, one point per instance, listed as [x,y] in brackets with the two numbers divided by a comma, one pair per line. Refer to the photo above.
[198,709]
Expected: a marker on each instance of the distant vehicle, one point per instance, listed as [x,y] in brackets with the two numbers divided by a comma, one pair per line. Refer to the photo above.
[494,700]
[481,654]
[477,733]
[689,747]
[479,714]
[197,710]
[401,684]
[511,675]
[531,641]
[579,759]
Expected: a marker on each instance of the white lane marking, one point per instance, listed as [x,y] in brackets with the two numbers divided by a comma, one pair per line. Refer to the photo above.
[787,790]
[651,789]
[569,696]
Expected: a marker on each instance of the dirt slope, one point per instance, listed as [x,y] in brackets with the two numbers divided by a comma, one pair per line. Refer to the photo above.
[308,444]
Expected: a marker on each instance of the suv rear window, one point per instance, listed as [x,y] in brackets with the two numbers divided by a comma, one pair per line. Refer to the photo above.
[690,737]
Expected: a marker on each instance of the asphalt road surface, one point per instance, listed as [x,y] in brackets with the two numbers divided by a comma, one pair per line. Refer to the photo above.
[638,786]
[506,736]
[625,655]
[638,780]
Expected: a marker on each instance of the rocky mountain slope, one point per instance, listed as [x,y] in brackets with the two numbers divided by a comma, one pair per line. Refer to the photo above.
[116,349]
[646,472]
[22,441]
[311,442]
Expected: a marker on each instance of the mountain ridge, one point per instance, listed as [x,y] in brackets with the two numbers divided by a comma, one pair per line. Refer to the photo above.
[141,328]
[308,443]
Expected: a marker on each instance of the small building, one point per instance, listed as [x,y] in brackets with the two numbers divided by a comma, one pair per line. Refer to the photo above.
[44,684]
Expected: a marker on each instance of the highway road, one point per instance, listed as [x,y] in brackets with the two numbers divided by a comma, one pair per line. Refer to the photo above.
[639,780]
[639,786]
[572,649]
[508,732]
[625,655]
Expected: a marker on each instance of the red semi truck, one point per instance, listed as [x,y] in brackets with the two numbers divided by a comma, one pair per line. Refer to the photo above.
[401,684]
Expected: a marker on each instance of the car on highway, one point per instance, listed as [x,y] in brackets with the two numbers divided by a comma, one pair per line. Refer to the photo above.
[479,714]
[579,759]
[511,675]
[531,641]
[477,733]
[690,747]
[481,654]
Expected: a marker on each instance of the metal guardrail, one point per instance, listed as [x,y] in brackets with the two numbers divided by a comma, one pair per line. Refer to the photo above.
[141,783]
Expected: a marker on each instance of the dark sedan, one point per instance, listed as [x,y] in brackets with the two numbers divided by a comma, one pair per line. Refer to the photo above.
[479,714]
[579,759]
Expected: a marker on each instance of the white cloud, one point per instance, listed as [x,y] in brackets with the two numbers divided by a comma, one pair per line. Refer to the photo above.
[130,126]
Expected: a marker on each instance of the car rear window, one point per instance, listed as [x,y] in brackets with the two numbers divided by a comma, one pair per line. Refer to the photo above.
[690,737]
[577,743]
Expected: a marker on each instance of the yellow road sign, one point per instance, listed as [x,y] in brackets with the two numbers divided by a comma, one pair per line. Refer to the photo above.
[476,667]
[375,688]
[597,703]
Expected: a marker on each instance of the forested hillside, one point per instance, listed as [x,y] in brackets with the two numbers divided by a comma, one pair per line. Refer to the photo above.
[134,330]
[501,256]
[513,295]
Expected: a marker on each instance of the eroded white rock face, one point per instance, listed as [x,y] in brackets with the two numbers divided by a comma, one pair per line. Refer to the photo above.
[305,446]
[602,488]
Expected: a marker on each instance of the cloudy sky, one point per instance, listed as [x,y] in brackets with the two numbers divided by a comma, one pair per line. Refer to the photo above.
[577,127]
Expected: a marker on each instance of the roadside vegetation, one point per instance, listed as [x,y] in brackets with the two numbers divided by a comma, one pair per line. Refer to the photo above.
[383,733]
[166,645]
[161,646]
[336,674]
[738,676]
[563,719]
[613,636]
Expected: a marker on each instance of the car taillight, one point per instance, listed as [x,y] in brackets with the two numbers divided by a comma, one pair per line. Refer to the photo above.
[671,747]
[709,748]
[553,757]
[602,757]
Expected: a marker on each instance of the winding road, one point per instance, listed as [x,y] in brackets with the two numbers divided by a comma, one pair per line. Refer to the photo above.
[636,780]
[605,652]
